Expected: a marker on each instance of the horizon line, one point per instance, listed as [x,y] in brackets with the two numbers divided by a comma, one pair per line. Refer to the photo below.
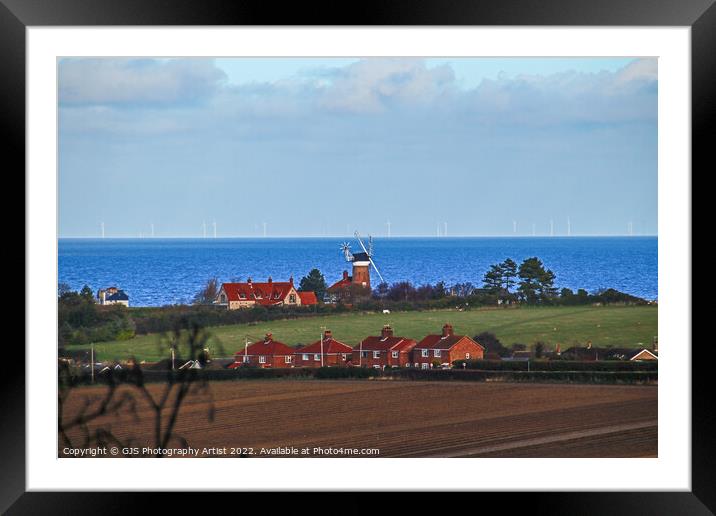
[382,236]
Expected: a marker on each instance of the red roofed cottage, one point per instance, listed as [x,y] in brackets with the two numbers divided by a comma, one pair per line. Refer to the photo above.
[264,353]
[383,350]
[326,351]
[445,349]
[270,293]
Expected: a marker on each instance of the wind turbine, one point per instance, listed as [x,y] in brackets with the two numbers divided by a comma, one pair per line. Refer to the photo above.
[569,227]
[388,224]
[102,226]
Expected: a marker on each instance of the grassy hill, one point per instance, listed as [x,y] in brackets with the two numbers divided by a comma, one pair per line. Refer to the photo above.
[624,326]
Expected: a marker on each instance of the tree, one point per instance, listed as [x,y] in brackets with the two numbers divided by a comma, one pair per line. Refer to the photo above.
[492,280]
[440,290]
[491,344]
[547,289]
[208,293]
[381,291]
[87,294]
[401,291]
[314,282]
[509,273]
[536,282]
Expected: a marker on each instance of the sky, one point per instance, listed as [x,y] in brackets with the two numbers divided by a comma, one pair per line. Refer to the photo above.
[328,146]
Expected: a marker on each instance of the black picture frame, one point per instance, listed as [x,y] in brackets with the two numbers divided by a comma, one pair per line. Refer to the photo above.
[700,15]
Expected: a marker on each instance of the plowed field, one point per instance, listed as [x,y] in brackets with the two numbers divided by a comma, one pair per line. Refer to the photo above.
[405,419]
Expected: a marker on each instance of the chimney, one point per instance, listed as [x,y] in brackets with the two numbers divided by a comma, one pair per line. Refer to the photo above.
[327,335]
[345,275]
[248,280]
[558,350]
[268,338]
[447,330]
[387,331]
[290,280]
[270,280]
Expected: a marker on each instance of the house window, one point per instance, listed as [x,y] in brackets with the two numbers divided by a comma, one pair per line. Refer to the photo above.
[246,358]
[467,356]
[436,352]
[277,295]
[223,298]
[426,353]
[345,356]
[305,356]
[425,365]
[317,357]
[376,367]
[262,359]
[242,296]
[376,354]
[364,354]
[394,354]
[292,298]
[289,359]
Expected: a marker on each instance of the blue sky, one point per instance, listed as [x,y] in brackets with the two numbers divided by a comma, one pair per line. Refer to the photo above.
[325,146]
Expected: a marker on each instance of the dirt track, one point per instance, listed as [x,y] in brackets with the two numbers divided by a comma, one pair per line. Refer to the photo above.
[412,419]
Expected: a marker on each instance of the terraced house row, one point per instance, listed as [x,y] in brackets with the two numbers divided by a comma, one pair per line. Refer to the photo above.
[379,351]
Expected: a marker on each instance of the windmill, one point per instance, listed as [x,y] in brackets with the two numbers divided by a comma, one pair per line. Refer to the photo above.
[367,255]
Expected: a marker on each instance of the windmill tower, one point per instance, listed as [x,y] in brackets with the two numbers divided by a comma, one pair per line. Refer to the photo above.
[361,261]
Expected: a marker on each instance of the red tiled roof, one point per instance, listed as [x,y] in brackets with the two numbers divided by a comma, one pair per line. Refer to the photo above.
[265,293]
[378,343]
[438,342]
[341,284]
[267,346]
[330,346]
[308,298]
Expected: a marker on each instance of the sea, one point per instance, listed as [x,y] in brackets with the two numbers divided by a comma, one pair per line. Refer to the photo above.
[159,271]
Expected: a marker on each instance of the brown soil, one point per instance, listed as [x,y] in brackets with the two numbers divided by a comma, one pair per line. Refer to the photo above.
[406,419]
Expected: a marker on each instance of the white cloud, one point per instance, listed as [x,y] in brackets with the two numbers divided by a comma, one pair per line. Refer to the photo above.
[162,96]
[131,82]
[373,85]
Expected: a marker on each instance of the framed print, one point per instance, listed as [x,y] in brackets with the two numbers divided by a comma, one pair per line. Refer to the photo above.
[446,240]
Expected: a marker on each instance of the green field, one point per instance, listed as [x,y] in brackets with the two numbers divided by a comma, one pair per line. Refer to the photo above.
[618,326]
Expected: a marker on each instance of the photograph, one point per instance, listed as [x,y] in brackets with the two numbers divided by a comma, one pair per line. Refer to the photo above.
[357,257]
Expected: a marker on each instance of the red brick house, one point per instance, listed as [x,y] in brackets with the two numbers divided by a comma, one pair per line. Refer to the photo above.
[445,349]
[265,353]
[269,293]
[329,353]
[383,350]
